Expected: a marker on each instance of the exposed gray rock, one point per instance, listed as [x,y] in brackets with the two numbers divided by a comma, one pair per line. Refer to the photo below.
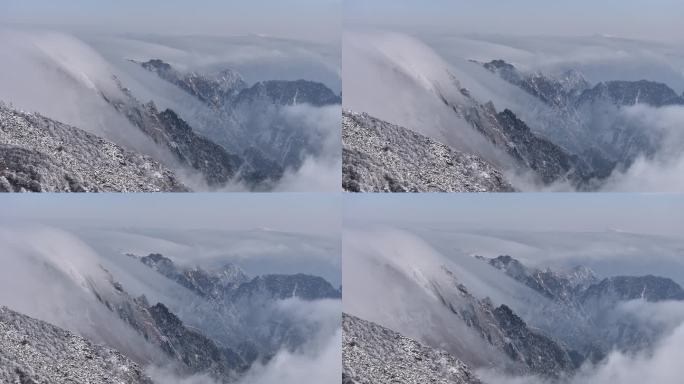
[215,284]
[626,93]
[231,283]
[215,90]
[168,130]
[382,157]
[248,120]
[623,288]
[557,285]
[242,312]
[587,119]
[530,151]
[534,351]
[196,351]
[372,354]
[33,352]
[557,91]
[588,306]
[188,349]
[279,287]
[42,155]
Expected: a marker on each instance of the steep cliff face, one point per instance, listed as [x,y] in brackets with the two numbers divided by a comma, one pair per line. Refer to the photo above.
[530,151]
[231,283]
[588,305]
[588,117]
[536,352]
[249,120]
[191,150]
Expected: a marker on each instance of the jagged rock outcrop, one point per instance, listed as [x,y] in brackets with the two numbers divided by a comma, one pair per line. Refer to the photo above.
[279,287]
[587,119]
[230,283]
[33,351]
[188,349]
[226,88]
[196,351]
[626,93]
[557,91]
[215,89]
[381,157]
[39,154]
[213,284]
[249,121]
[372,354]
[166,128]
[588,305]
[243,312]
[529,150]
[536,352]
[622,288]
[283,92]
[548,160]
[562,286]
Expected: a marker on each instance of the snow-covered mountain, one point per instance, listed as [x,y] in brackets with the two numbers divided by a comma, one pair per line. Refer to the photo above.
[209,126]
[500,314]
[538,118]
[245,116]
[33,351]
[379,156]
[42,155]
[174,321]
[588,116]
[373,354]
[593,302]
[431,99]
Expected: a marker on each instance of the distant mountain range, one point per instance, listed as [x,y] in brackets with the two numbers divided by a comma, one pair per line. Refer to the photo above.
[579,139]
[240,308]
[243,141]
[587,120]
[579,325]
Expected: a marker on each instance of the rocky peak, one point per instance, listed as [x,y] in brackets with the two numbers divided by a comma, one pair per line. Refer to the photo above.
[579,276]
[503,329]
[649,288]
[230,282]
[279,287]
[214,89]
[156,65]
[213,283]
[505,70]
[558,91]
[626,93]
[573,81]
[230,274]
[283,92]
[557,285]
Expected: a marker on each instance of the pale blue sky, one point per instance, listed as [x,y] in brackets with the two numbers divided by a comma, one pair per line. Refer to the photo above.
[313,213]
[303,19]
[653,19]
[659,214]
